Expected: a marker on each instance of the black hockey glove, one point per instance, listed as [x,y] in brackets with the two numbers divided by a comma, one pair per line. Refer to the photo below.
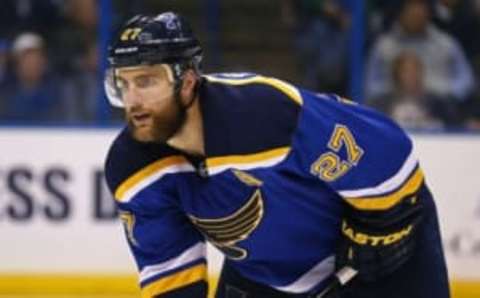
[376,243]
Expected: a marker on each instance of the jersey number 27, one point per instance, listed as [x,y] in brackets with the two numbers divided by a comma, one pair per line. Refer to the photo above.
[329,166]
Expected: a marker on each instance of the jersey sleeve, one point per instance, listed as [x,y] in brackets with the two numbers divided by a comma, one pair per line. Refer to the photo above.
[362,155]
[169,253]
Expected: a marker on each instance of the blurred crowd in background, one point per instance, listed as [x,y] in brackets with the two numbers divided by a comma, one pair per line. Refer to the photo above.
[421,64]
[48,61]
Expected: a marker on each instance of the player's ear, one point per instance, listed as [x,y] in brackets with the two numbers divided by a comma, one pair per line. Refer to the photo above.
[188,87]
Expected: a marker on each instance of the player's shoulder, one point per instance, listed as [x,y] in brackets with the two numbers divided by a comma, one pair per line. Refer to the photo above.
[130,163]
[260,86]
[352,146]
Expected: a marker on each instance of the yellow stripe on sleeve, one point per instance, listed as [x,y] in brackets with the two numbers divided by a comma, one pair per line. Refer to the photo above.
[247,159]
[175,281]
[146,172]
[386,202]
[284,87]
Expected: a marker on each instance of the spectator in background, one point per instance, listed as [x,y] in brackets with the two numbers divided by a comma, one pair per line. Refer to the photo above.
[82,88]
[380,16]
[75,35]
[33,93]
[320,29]
[29,15]
[447,74]
[409,103]
[461,19]
[3,62]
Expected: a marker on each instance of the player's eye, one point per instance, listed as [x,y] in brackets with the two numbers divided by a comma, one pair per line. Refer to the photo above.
[145,81]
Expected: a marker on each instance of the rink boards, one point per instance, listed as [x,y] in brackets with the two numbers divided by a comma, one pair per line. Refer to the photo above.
[60,234]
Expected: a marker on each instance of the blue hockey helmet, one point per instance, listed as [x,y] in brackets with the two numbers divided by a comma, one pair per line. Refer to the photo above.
[165,39]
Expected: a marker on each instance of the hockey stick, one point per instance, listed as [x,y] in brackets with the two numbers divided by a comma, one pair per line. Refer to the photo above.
[342,277]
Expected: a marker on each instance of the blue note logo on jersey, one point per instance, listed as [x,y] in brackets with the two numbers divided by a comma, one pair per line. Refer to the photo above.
[227,231]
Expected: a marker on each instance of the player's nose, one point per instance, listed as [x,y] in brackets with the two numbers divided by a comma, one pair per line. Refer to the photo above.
[132,97]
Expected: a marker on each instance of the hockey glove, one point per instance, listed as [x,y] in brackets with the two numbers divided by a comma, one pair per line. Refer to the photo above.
[376,243]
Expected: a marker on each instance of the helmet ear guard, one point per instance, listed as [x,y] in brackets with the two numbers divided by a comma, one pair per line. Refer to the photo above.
[165,39]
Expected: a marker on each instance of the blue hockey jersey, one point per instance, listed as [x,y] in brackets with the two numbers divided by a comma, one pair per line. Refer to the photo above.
[279,161]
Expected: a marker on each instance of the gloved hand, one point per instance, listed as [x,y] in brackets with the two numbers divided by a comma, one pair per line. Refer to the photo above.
[376,243]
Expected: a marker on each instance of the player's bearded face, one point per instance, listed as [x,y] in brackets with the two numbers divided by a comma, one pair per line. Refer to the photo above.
[152,124]
[152,111]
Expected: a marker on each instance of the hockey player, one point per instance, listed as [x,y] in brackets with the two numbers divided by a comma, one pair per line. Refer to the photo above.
[300,191]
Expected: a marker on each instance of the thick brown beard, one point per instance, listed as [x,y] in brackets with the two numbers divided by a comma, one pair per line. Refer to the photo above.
[163,126]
